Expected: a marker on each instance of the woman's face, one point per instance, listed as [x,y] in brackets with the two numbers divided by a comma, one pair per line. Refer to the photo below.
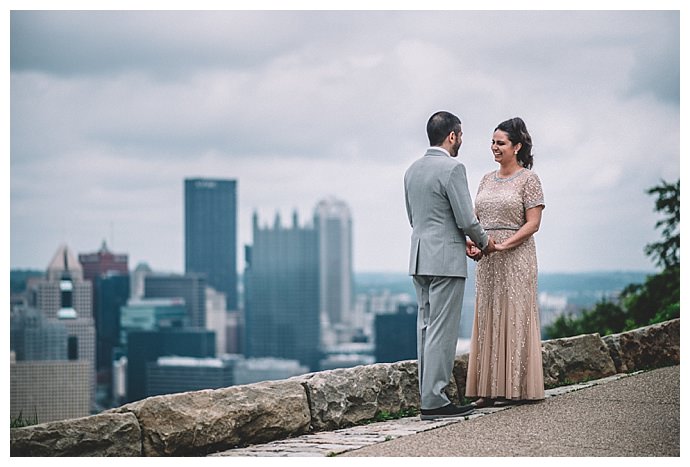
[502,148]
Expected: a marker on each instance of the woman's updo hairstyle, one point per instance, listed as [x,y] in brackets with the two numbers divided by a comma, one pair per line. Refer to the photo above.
[517,132]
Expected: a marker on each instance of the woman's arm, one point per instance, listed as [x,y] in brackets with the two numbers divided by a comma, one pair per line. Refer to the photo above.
[531,226]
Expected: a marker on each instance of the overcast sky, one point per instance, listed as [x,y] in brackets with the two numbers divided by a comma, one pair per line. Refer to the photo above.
[112,110]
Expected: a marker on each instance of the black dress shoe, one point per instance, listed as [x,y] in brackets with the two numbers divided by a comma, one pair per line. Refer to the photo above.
[446,411]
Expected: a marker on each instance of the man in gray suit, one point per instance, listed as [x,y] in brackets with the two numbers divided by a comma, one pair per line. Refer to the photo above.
[441,213]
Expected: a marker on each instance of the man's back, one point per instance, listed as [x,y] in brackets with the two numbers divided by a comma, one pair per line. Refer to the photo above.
[429,209]
[437,203]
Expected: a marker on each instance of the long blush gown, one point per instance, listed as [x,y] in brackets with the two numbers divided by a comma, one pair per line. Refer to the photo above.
[505,349]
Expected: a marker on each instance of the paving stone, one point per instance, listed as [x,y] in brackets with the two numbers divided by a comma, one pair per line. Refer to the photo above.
[327,443]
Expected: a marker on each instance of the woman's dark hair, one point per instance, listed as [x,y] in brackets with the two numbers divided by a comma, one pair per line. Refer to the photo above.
[517,132]
[440,125]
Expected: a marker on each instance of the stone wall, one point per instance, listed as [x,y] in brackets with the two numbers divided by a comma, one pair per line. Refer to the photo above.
[201,422]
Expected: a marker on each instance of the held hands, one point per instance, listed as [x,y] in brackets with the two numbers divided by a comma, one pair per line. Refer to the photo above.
[473,251]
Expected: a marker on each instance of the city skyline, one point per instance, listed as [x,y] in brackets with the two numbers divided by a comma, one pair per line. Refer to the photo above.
[301,105]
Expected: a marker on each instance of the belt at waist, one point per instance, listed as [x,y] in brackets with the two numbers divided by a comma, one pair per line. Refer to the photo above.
[501,227]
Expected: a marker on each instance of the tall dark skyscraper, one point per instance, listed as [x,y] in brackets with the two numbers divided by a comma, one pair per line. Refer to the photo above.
[396,334]
[112,294]
[282,293]
[109,276]
[146,346]
[211,233]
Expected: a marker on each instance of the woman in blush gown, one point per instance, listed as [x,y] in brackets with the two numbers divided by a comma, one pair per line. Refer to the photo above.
[505,362]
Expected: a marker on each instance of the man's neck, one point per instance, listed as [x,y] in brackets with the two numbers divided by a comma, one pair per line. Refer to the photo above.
[444,149]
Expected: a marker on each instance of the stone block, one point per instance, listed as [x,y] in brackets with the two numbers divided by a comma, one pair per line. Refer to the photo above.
[344,397]
[107,434]
[460,375]
[652,346]
[202,422]
[575,359]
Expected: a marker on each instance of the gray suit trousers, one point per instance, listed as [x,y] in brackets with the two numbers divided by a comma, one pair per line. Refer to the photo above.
[439,301]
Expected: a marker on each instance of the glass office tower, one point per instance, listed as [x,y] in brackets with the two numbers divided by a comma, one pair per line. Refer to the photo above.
[282,293]
[211,233]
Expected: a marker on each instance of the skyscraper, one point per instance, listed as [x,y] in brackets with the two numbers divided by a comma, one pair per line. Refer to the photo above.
[102,262]
[150,314]
[53,372]
[67,296]
[190,287]
[109,276]
[396,334]
[146,346]
[136,281]
[35,337]
[334,224]
[111,294]
[282,293]
[216,317]
[63,292]
[211,233]
[169,375]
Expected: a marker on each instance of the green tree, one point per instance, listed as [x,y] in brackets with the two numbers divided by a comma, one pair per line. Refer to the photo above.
[606,317]
[666,253]
[657,300]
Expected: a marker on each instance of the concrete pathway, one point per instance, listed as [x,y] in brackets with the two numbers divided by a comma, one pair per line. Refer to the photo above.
[622,415]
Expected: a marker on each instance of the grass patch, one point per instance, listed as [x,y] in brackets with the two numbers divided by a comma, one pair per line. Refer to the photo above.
[20,421]
[384,415]
[558,384]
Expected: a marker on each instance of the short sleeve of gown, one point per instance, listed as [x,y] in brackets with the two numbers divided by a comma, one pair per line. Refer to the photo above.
[482,183]
[533,195]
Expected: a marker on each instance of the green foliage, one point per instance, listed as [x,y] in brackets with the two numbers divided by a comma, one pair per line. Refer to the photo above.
[666,253]
[655,301]
[20,421]
[384,415]
[19,278]
[605,318]
[659,296]
[558,384]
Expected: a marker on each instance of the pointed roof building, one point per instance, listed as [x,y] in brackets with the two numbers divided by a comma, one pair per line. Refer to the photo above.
[64,265]
[102,263]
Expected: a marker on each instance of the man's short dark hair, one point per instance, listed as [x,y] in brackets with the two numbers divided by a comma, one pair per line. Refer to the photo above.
[440,125]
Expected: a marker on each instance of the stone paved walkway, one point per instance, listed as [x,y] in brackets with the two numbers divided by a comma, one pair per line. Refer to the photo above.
[331,443]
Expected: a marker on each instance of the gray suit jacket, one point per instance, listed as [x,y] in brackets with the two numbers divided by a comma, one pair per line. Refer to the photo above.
[440,211]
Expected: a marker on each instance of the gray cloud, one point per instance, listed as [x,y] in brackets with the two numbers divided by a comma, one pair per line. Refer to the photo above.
[164,42]
[110,111]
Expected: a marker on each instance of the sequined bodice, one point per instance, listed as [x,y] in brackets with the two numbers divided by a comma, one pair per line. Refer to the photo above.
[501,203]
